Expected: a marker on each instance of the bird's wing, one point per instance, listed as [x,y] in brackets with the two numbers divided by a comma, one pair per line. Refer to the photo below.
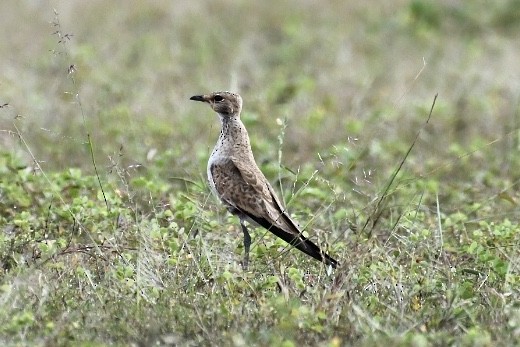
[245,189]
[249,194]
[253,177]
[234,191]
[274,207]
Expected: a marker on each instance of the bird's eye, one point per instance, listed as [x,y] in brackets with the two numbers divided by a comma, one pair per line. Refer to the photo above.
[218,98]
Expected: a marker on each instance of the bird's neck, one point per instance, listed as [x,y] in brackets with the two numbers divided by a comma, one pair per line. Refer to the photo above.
[233,131]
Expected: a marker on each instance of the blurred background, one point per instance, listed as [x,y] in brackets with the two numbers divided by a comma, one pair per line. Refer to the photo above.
[337,80]
[335,94]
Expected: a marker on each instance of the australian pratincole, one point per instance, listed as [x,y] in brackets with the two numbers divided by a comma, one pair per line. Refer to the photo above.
[237,181]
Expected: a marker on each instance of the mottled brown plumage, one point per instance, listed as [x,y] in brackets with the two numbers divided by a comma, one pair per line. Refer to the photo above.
[237,181]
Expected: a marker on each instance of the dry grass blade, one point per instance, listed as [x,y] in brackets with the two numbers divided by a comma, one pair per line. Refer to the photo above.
[380,205]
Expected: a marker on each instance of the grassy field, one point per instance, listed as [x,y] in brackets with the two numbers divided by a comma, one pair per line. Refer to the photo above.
[109,234]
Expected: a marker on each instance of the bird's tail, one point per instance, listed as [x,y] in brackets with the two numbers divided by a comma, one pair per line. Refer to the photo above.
[297,240]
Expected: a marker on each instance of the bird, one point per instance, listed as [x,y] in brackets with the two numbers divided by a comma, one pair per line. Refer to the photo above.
[235,178]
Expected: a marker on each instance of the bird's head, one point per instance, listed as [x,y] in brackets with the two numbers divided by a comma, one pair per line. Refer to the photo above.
[224,103]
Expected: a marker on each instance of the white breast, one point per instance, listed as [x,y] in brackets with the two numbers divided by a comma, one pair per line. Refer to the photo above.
[211,161]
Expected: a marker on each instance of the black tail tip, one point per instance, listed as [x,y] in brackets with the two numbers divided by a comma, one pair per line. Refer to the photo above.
[332,262]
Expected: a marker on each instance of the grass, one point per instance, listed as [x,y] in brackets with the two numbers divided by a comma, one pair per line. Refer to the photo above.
[109,235]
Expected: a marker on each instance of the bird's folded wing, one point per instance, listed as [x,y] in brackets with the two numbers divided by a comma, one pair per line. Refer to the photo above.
[246,190]
[252,196]
[253,177]
[273,208]
[234,191]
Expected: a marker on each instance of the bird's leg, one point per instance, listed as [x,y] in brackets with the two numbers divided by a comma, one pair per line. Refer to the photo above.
[247,244]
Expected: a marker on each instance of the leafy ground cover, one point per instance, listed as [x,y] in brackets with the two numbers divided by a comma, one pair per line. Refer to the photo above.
[108,232]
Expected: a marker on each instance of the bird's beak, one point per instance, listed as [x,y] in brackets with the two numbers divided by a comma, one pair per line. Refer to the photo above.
[203,98]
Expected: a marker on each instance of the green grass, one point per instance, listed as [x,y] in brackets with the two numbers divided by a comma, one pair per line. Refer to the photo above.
[334,96]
